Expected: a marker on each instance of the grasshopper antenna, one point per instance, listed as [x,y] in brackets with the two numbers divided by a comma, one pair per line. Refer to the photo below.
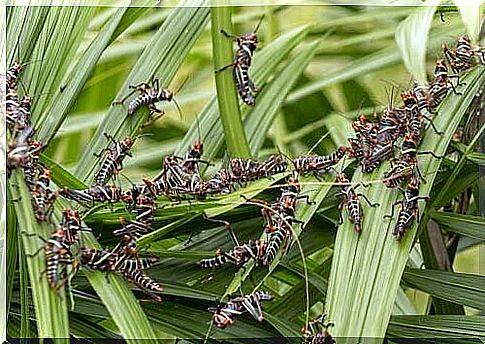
[259,23]
[318,142]
[176,92]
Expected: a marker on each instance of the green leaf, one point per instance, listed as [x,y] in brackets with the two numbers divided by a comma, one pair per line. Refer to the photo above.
[477,158]
[269,102]
[286,329]
[463,289]
[55,51]
[50,306]
[412,40]
[24,294]
[24,25]
[373,273]
[440,327]
[61,176]
[10,248]
[467,225]
[234,199]
[227,97]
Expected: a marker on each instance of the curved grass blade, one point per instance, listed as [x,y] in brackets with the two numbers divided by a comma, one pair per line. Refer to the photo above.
[365,265]
[24,294]
[60,176]
[9,250]
[269,102]
[286,329]
[227,98]
[412,39]
[463,289]
[458,167]
[50,306]
[234,199]
[82,327]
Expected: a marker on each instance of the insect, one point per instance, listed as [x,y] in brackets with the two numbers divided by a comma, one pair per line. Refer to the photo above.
[422,96]
[461,58]
[43,197]
[71,222]
[379,154]
[244,170]
[279,218]
[246,45]
[56,252]
[221,183]
[409,208]
[135,228]
[12,108]
[18,151]
[123,259]
[190,163]
[272,165]
[389,127]
[143,207]
[351,201]
[366,133]
[239,255]
[440,85]
[113,161]
[98,193]
[23,120]
[144,282]
[105,260]
[12,74]
[225,315]
[317,333]
[415,117]
[148,96]
[318,164]
[31,162]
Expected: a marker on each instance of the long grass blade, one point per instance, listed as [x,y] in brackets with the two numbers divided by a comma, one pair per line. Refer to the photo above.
[50,306]
[269,102]
[445,327]
[463,289]
[365,65]
[227,98]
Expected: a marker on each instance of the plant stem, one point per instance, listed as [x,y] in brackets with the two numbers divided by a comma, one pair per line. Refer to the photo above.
[229,111]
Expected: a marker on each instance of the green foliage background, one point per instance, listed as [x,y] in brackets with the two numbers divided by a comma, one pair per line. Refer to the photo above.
[319,68]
